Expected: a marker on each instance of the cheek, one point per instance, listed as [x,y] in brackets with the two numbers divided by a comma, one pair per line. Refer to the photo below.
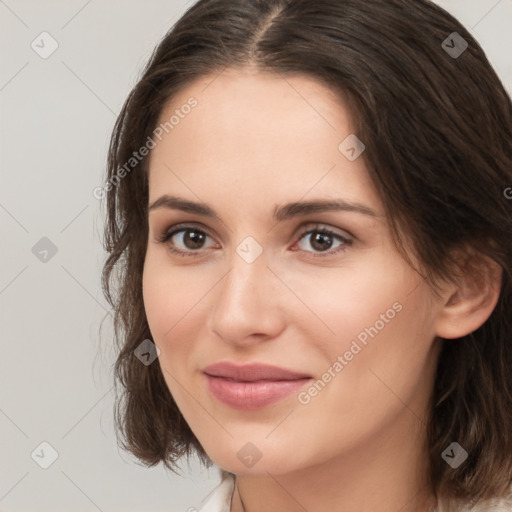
[168,302]
[362,300]
[169,294]
[175,302]
[163,309]
[383,358]
[383,334]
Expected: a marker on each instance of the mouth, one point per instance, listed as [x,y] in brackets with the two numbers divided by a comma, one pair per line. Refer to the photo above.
[252,386]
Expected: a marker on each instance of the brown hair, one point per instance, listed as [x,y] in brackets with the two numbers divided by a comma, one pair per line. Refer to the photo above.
[438,134]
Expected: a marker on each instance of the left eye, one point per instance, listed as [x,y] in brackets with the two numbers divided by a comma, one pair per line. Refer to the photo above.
[193,240]
[323,240]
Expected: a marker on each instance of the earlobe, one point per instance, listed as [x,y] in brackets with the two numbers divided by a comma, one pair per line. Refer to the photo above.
[470,303]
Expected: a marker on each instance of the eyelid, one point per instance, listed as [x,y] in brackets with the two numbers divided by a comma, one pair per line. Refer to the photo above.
[313,226]
[302,230]
[182,226]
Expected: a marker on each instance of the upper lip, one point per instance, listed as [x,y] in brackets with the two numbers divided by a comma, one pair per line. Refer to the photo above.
[252,372]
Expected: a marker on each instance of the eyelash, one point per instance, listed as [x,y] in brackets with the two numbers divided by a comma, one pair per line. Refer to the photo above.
[167,235]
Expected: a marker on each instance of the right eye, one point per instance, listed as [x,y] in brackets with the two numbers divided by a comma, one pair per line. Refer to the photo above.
[191,239]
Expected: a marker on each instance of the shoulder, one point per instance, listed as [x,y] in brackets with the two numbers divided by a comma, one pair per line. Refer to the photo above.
[219,499]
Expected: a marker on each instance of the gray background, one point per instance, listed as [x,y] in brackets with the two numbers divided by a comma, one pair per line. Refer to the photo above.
[56,117]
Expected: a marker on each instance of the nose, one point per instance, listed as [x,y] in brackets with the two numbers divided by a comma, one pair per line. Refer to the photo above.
[247,303]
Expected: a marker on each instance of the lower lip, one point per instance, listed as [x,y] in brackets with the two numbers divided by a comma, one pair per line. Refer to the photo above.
[252,395]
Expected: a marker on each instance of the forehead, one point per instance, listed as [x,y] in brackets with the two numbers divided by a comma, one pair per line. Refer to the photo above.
[253,136]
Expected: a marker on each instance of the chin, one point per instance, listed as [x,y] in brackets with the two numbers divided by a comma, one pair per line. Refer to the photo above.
[258,458]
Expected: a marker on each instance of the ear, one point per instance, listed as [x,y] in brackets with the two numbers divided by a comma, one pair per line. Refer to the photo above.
[469,303]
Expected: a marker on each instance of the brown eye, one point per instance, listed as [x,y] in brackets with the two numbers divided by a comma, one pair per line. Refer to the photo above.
[193,238]
[322,240]
[184,241]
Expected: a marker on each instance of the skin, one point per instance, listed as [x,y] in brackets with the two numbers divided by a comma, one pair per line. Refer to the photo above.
[255,141]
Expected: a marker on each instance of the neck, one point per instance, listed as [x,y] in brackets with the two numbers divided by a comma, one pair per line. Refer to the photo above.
[387,474]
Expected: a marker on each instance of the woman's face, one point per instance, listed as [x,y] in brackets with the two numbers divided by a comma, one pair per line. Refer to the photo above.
[256,281]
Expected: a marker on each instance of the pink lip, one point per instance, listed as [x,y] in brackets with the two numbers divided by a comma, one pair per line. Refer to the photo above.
[252,386]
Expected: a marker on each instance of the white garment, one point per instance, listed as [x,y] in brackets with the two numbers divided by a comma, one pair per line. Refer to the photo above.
[220,501]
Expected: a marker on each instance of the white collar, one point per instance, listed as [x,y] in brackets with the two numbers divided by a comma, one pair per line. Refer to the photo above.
[220,499]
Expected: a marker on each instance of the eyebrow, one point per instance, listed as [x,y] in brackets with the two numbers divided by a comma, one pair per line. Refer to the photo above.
[281,213]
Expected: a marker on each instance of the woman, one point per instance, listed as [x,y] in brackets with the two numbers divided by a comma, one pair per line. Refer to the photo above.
[307,204]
